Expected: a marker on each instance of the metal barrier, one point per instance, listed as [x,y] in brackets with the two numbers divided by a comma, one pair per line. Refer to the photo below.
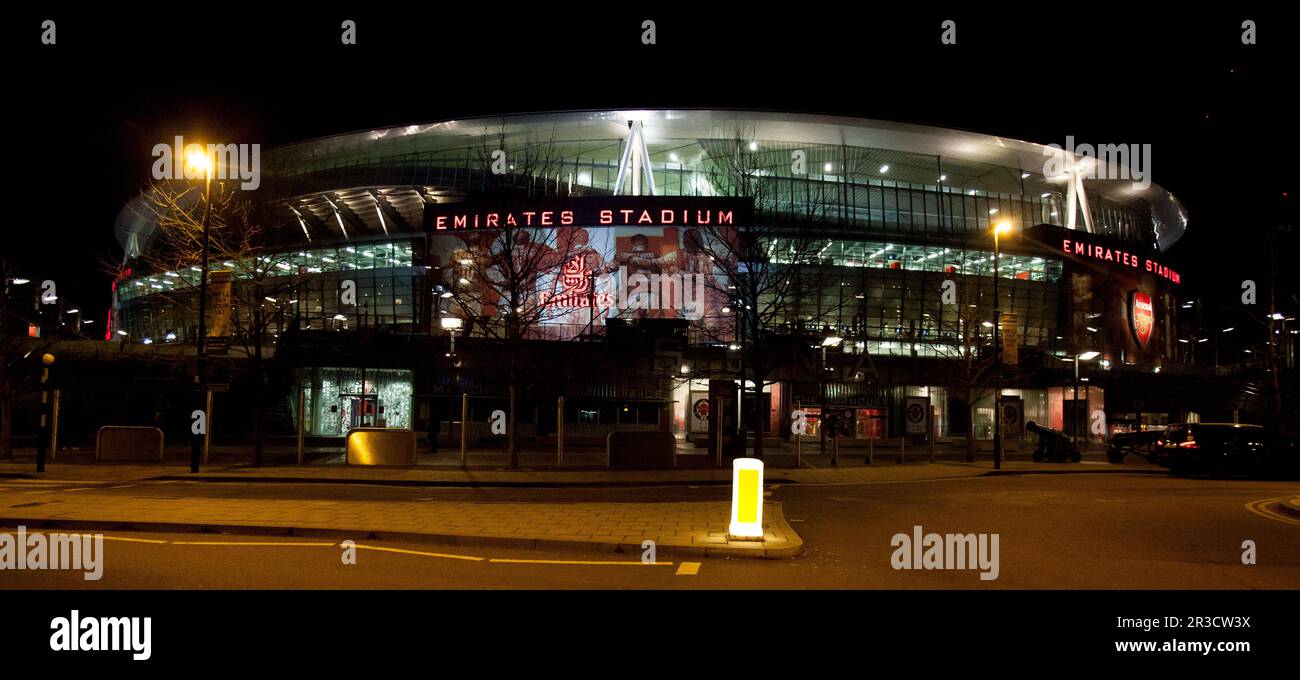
[381,446]
[129,442]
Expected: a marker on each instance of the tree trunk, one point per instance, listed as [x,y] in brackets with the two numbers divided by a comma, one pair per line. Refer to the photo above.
[6,393]
[510,429]
[970,430]
[6,427]
[759,416]
[259,397]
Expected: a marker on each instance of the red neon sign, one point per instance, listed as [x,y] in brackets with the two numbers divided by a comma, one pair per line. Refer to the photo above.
[1119,257]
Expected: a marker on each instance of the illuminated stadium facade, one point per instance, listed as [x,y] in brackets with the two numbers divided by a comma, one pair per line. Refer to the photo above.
[882,231]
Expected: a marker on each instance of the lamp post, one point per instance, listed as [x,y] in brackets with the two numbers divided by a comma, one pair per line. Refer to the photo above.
[831,340]
[1074,415]
[998,229]
[200,161]
[1217,334]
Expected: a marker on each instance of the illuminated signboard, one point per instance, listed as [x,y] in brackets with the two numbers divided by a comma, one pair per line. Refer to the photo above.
[569,264]
[1141,316]
[602,211]
[1118,257]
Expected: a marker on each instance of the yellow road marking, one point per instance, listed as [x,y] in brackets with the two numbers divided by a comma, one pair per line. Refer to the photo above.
[1257,507]
[33,493]
[470,558]
[685,569]
[134,540]
[584,562]
[244,543]
[84,488]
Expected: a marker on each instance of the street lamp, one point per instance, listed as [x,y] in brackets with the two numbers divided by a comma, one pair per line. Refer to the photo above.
[1074,415]
[76,314]
[831,340]
[1218,333]
[199,161]
[1000,228]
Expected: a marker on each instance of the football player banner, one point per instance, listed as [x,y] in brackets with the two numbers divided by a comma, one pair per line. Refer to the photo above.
[1010,339]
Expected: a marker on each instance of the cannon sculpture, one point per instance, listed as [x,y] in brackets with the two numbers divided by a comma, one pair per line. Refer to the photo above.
[1053,445]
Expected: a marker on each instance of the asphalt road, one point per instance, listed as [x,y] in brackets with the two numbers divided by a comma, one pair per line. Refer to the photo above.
[1054,531]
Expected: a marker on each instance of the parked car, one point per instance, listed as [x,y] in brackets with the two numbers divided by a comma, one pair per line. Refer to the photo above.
[1225,449]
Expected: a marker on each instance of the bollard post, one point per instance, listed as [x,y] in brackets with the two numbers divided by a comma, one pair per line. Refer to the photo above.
[871,446]
[746,499]
[464,422]
[559,432]
[207,432]
[717,435]
[302,425]
[54,427]
[933,412]
[42,440]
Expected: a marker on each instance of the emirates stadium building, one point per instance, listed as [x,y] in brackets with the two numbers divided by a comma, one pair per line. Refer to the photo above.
[641,264]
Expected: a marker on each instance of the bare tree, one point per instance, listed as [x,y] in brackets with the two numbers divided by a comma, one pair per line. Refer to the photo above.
[8,345]
[768,275]
[511,281]
[264,282]
[965,349]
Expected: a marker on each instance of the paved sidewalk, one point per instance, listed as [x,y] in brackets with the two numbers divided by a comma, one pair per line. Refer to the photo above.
[851,471]
[692,528]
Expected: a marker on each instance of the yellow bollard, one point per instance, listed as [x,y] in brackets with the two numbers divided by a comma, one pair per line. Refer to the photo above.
[746,499]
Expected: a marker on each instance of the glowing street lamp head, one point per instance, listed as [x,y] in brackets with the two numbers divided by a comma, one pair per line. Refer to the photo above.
[1003,227]
[197,161]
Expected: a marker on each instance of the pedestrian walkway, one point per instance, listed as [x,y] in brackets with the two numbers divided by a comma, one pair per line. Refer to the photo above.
[816,470]
[698,528]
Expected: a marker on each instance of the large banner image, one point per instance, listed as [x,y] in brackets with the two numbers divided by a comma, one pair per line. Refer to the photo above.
[564,281]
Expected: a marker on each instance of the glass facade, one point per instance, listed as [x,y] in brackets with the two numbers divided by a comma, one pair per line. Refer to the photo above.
[886,191]
[340,399]
[163,307]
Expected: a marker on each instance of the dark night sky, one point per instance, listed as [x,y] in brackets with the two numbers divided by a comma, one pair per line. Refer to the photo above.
[1220,116]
